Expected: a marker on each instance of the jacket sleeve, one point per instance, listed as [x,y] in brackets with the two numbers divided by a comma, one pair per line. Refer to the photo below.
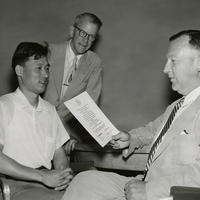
[144,136]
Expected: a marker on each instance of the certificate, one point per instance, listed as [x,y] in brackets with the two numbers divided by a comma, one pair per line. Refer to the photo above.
[92,118]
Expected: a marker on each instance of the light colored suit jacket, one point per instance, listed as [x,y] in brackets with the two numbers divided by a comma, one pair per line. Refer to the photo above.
[177,159]
[88,77]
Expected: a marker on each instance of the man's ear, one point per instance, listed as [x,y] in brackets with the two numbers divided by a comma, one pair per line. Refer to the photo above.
[19,70]
[71,31]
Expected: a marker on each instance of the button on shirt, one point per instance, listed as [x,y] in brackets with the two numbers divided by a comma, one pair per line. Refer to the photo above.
[30,135]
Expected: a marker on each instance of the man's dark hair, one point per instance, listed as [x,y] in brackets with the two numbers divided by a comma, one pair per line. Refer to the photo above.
[194,37]
[27,49]
[91,17]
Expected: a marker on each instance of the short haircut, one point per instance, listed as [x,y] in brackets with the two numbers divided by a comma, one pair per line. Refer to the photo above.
[27,49]
[90,17]
[194,37]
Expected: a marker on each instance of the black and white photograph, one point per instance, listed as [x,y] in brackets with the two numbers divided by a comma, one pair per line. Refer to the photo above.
[100,100]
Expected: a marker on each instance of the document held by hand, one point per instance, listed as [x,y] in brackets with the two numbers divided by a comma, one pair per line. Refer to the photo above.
[92,118]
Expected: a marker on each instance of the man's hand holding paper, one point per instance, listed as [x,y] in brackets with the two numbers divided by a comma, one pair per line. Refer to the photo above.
[120,140]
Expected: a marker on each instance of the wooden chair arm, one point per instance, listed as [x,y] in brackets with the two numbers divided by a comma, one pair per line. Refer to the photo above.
[185,193]
[5,189]
[82,166]
[109,158]
[97,148]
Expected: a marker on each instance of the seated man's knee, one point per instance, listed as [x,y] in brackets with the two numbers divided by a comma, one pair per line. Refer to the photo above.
[86,176]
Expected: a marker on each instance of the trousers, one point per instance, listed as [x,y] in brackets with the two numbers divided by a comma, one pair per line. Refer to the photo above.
[97,185]
[25,190]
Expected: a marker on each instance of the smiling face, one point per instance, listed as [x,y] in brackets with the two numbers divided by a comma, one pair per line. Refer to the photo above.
[33,75]
[182,65]
[80,44]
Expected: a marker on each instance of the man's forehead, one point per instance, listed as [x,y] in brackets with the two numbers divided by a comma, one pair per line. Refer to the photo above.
[180,42]
[181,46]
[38,59]
[86,22]
[83,20]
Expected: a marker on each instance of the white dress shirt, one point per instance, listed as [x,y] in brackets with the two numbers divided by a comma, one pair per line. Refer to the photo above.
[189,99]
[69,57]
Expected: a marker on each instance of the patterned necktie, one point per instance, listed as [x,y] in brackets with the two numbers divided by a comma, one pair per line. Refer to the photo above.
[71,72]
[162,133]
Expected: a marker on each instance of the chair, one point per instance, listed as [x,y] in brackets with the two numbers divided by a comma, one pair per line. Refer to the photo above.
[109,159]
[5,189]
[185,193]
[77,167]
[81,166]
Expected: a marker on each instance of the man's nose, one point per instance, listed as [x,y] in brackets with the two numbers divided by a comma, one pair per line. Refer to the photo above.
[45,73]
[86,39]
[167,67]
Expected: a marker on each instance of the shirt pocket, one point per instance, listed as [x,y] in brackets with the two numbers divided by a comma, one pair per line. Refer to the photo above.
[186,148]
[49,147]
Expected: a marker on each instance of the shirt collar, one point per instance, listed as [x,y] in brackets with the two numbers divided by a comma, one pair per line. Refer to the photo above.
[22,101]
[71,53]
[192,96]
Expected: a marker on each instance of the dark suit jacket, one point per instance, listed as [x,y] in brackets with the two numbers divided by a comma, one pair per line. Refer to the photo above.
[88,77]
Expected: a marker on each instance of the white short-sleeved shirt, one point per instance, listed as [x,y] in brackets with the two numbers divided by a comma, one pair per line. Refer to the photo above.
[30,135]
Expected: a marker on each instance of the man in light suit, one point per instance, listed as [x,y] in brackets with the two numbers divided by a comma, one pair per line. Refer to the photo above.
[174,158]
[86,74]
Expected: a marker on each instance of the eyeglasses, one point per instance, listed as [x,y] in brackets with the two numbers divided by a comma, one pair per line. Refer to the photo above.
[83,34]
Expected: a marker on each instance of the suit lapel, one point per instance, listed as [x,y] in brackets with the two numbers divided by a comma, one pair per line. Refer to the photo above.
[83,69]
[58,70]
[186,118]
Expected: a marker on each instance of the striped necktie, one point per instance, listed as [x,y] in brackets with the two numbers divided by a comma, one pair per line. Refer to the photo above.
[71,72]
[162,133]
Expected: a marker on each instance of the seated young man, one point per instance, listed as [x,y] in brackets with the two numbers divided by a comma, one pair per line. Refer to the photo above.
[31,133]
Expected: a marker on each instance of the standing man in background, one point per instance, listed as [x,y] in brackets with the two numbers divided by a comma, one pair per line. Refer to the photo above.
[74,69]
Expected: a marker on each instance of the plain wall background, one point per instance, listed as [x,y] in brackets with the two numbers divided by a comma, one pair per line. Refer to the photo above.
[133,43]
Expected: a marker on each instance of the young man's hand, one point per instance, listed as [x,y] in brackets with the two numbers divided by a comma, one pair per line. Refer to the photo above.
[58,179]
